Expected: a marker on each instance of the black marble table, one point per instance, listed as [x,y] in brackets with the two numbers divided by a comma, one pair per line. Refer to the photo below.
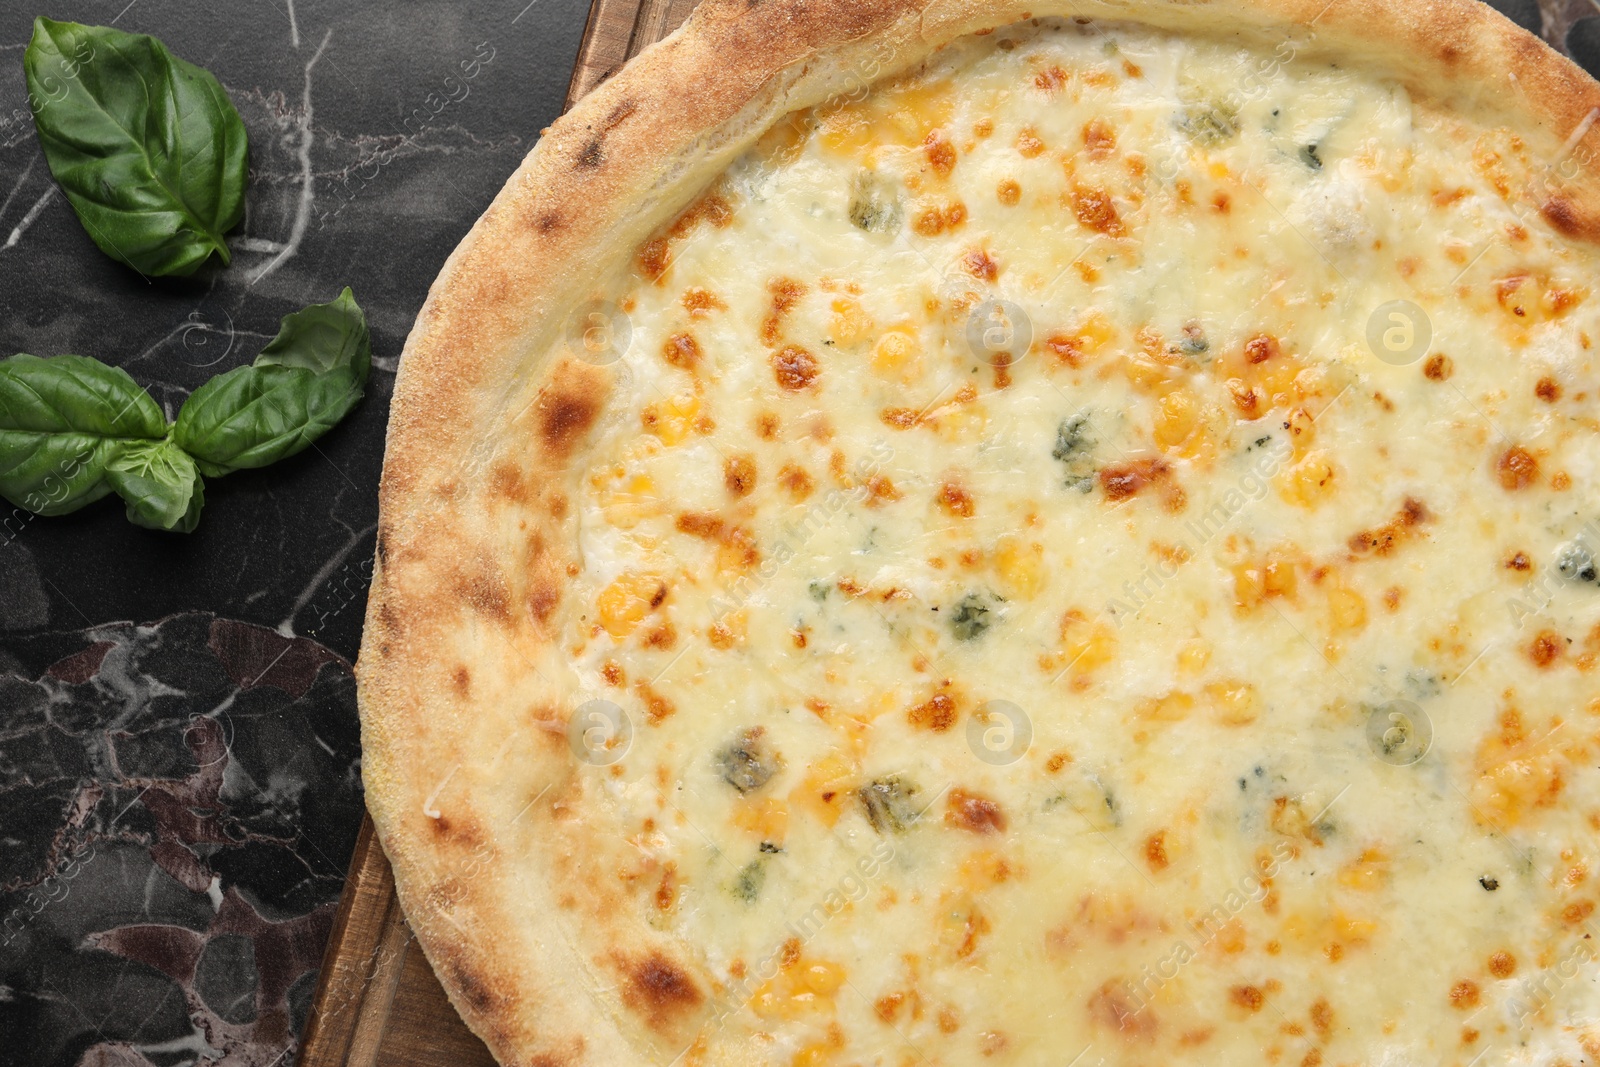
[179,753]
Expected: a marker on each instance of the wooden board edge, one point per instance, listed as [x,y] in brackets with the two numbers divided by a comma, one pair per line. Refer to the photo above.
[355,954]
[365,962]
[617,31]
[607,42]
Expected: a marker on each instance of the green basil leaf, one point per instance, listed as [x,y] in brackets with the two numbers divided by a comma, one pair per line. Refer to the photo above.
[148,148]
[323,338]
[62,420]
[161,484]
[254,416]
[305,380]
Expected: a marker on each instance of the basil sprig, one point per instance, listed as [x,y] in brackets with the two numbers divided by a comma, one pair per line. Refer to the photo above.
[73,429]
[161,484]
[305,380]
[148,148]
[62,420]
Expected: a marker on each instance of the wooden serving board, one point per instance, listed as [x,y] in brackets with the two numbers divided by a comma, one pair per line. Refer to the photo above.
[377,1000]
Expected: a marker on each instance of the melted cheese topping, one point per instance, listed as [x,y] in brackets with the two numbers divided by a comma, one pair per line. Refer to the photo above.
[1045,625]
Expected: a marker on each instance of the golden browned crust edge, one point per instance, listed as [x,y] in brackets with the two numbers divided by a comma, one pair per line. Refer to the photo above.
[627,157]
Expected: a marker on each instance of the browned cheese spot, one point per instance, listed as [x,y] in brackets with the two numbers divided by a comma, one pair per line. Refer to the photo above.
[795,481]
[899,418]
[1546,647]
[1246,397]
[1322,1017]
[667,889]
[717,211]
[880,490]
[794,367]
[654,258]
[1110,1007]
[1096,210]
[739,548]
[940,152]
[701,524]
[785,294]
[681,350]
[699,303]
[1261,347]
[1050,79]
[739,474]
[980,263]
[974,813]
[938,713]
[1068,348]
[936,219]
[1125,480]
[1516,468]
[956,500]
[1383,540]
[1247,997]
[657,707]
[713,208]
[1155,851]
[1099,140]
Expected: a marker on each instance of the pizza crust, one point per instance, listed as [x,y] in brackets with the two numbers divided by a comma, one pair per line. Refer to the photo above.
[460,670]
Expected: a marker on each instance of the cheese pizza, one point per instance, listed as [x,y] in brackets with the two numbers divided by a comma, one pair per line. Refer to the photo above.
[955,533]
